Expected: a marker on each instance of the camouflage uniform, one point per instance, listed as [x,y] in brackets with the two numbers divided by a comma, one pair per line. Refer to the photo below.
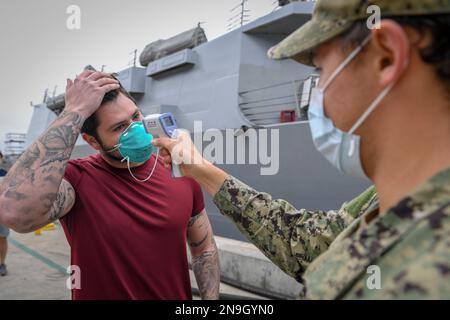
[331,252]
[333,17]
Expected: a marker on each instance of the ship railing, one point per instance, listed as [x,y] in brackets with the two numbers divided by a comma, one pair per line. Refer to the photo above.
[268,105]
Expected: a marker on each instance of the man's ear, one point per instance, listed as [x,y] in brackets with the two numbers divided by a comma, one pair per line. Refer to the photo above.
[393,51]
[91,141]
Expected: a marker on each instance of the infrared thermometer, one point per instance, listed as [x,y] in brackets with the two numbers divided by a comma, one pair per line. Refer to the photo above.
[160,126]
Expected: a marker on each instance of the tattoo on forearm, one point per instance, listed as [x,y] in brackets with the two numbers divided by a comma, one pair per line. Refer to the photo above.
[41,167]
[197,244]
[15,195]
[22,168]
[60,201]
[198,225]
[193,220]
[59,140]
[205,259]
[207,272]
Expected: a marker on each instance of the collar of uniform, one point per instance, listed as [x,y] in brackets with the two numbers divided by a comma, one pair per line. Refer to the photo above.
[333,274]
[434,192]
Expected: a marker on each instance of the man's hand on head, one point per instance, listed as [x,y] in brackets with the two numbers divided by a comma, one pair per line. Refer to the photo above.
[85,94]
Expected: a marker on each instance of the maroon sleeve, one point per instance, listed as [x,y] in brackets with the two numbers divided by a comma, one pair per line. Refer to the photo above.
[199,202]
[72,173]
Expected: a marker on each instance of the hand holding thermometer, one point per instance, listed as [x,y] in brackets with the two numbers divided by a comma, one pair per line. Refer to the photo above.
[163,125]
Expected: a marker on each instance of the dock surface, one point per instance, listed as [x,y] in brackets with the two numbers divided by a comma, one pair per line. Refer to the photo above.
[37,268]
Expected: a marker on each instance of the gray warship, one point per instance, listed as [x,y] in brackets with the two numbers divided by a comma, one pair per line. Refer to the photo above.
[230,83]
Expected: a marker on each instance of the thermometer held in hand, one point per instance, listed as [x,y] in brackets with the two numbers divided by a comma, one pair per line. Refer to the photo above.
[163,125]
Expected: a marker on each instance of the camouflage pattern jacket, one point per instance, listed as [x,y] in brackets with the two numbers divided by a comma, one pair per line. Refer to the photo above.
[336,256]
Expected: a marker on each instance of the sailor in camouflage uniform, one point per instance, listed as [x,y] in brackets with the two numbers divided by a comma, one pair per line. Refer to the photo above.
[408,240]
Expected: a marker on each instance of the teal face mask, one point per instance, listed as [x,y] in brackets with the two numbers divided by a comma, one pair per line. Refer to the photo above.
[135,144]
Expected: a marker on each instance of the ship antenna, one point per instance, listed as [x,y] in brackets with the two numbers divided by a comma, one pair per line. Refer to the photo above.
[45,96]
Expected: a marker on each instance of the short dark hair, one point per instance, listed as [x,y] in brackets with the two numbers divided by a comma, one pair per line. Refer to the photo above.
[90,124]
[437,54]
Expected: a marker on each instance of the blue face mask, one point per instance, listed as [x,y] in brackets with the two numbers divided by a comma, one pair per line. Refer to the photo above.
[340,148]
[135,146]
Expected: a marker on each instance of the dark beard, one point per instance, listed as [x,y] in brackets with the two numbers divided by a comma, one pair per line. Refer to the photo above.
[113,156]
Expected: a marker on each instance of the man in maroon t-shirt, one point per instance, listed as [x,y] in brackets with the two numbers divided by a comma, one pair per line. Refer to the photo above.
[127,237]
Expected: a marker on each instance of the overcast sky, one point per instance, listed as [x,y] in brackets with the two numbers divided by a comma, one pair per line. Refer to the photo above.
[38,51]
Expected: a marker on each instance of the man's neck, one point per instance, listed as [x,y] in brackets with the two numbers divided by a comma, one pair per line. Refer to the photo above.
[393,184]
[413,150]
[119,164]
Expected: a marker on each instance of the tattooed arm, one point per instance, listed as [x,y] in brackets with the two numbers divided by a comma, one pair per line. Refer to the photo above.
[205,259]
[34,192]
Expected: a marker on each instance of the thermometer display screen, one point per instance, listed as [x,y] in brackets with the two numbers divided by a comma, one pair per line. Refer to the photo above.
[168,122]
